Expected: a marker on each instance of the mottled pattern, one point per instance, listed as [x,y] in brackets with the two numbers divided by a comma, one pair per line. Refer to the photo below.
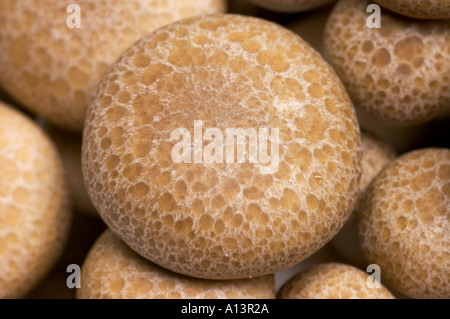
[333,281]
[419,9]
[34,205]
[113,271]
[376,154]
[222,221]
[405,223]
[53,70]
[399,73]
[290,6]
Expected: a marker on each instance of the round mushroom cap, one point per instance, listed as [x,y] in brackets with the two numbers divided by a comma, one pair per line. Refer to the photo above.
[34,204]
[419,9]
[113,271]
[405,223]
[215,219]
[290,6]
[53,68]
[399,73]
[333,281]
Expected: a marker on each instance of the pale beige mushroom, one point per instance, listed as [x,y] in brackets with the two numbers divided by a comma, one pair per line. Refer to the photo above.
[333,281]
[35,210]
[398,73]
[53,68]
[113,271]
[222,220]
[405,223]
[419,9]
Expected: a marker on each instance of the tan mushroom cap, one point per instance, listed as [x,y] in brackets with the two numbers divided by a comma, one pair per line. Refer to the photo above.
[333,281]
[419,9]
[398,73]
[53,70]
[405,223]
[376,154]
[222,220]
[290,6]
[34,204]
[113,271]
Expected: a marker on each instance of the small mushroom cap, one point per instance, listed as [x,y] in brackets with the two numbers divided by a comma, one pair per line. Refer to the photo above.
[405,222]
[34,204]
[333,281]
[113,271]
[399,73]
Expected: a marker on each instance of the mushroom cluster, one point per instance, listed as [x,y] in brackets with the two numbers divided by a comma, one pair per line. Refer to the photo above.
[213,149]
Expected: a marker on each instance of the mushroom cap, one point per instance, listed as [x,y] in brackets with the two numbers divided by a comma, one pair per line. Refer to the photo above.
[34,204]
[405,222]
[53,70]
[113,271]
[398,73]
[333,281]
[222,220]
[419,9]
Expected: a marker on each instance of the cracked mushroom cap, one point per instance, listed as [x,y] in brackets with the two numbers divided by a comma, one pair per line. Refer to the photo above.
[398,73]
[34,204]
[333,281]
[222,220]
[290,6]
[404,225]
[53,70]
[419,9]
[113,271]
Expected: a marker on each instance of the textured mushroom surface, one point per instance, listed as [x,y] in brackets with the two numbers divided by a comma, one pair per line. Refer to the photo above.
[290,6]
[222,220]
[34,204]
[376,154]
[404,225]
[113,271]
[333,281]
[53,69]
[419,9]
[398,73]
